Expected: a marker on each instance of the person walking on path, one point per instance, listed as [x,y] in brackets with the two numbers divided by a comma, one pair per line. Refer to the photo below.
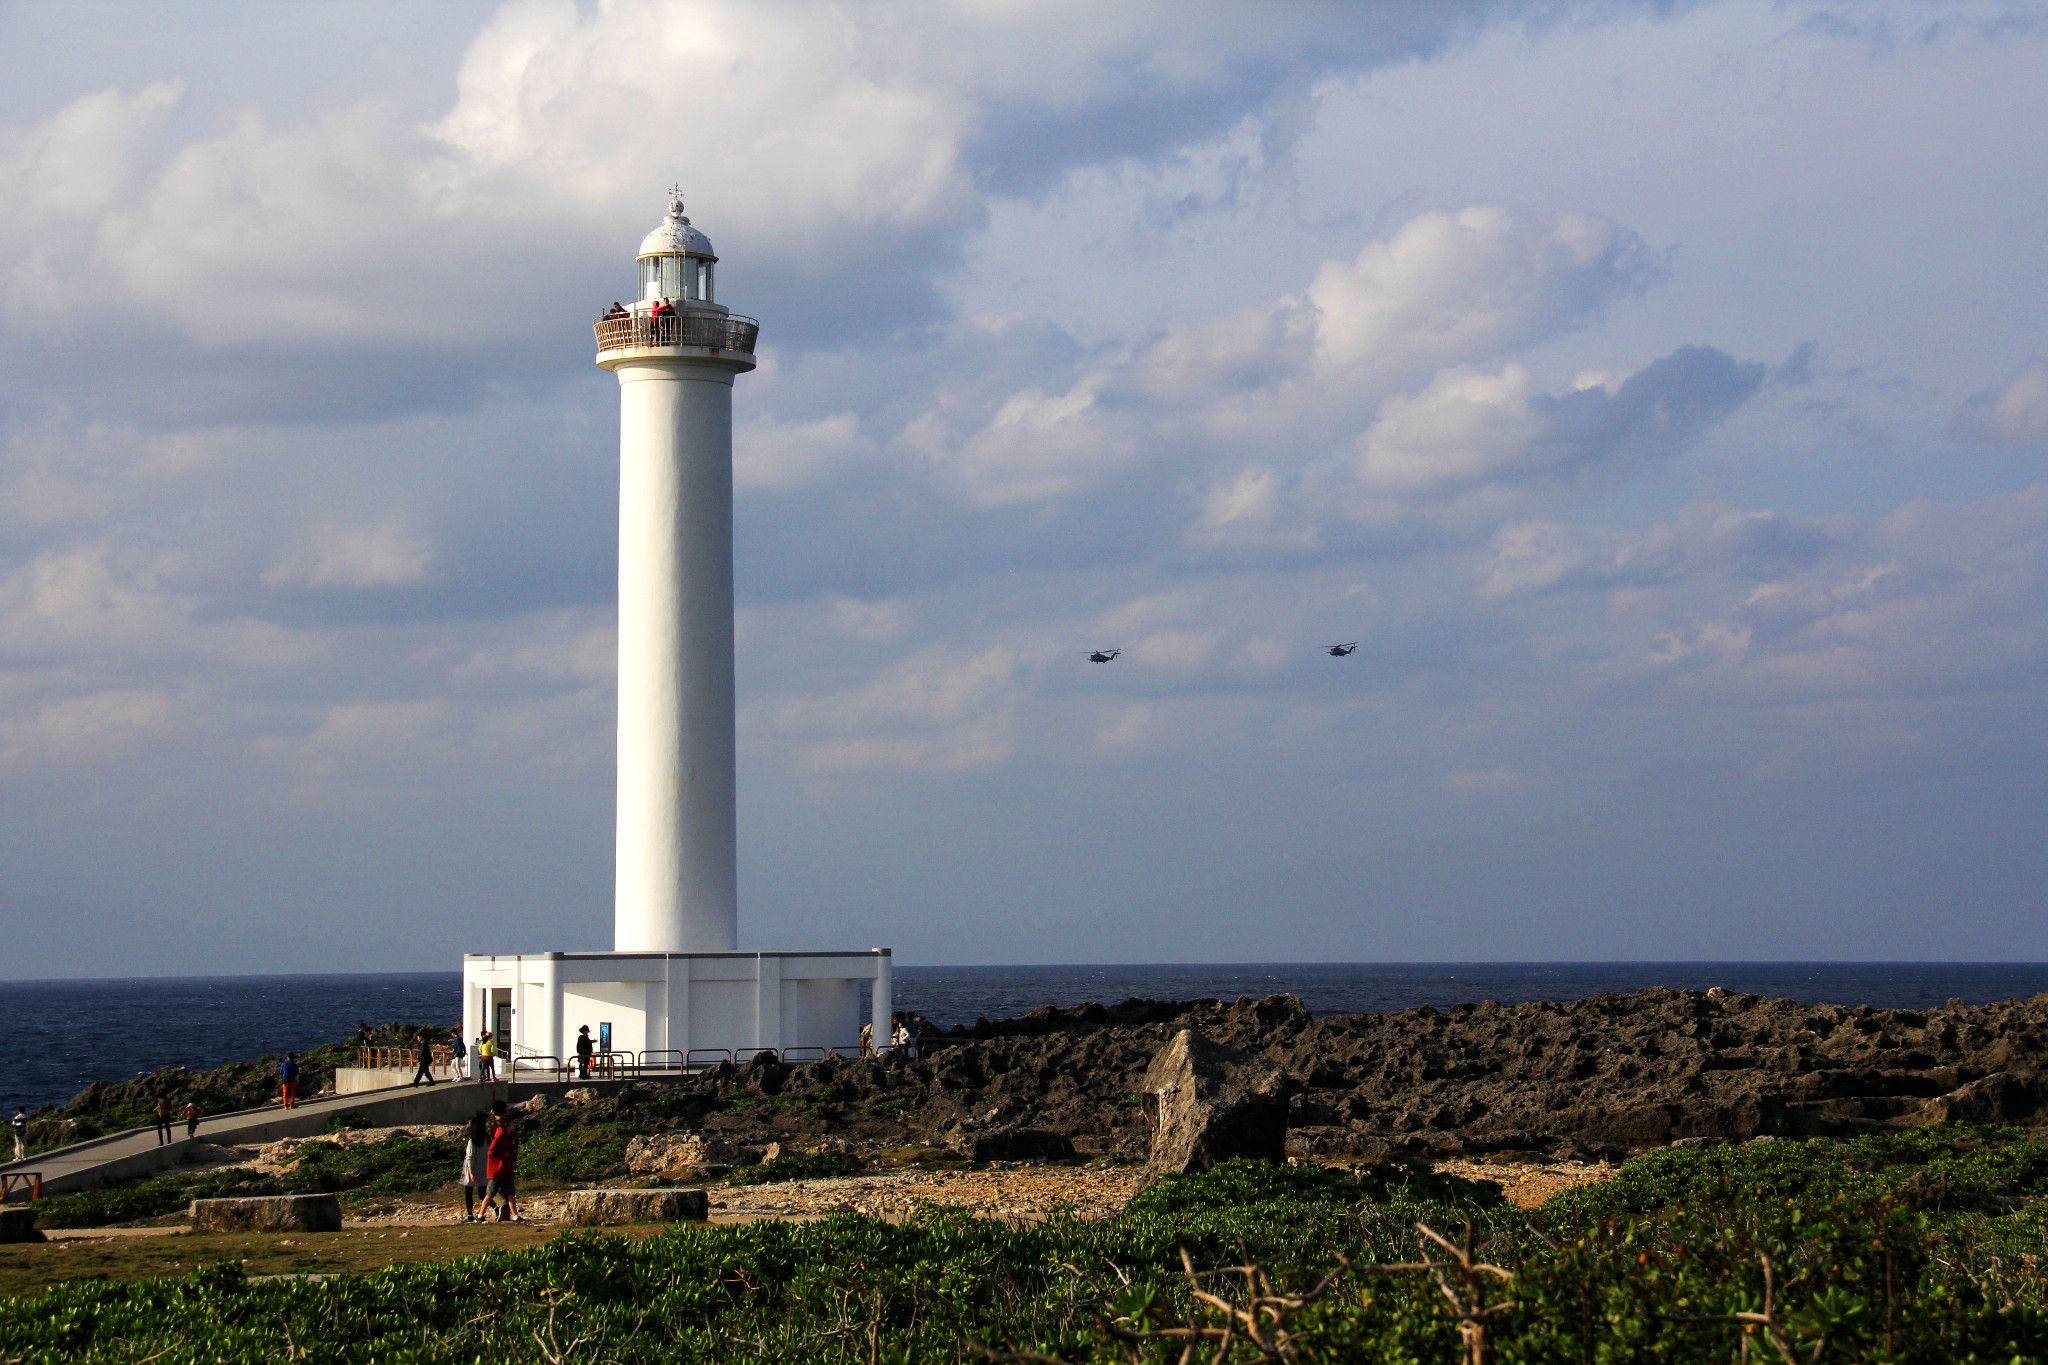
[461,1054]
[288,1076]
[584,1047]
[19,1126]
[364,1038]
[501,1162]
[423,1053]
[476,1155]
[163,1120]
[486,1057]
[191,1116]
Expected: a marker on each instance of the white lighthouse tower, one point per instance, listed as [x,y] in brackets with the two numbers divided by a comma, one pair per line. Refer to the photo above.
[675,991]
[677,887]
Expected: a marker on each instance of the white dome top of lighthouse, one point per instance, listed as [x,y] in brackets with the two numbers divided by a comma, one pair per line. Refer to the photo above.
[674,236]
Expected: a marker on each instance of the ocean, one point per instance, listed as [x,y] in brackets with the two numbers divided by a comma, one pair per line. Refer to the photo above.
[65,1034]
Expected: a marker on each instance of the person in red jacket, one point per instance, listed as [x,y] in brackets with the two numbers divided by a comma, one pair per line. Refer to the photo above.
[501,1164]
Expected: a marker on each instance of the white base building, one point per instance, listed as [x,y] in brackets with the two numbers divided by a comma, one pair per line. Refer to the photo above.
[669,1011]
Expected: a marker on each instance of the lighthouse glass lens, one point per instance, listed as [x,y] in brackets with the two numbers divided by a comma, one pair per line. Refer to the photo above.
[650,278]
[704,280]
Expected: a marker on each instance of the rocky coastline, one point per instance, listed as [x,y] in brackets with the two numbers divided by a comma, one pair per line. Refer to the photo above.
[1586,1079]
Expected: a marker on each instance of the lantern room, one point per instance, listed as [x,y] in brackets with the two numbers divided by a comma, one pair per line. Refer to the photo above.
[676,260]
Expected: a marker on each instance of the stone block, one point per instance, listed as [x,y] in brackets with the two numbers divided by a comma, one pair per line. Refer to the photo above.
[268,1213]
[592,1208]
[18,1223]
[1210,1103]
[685,1156]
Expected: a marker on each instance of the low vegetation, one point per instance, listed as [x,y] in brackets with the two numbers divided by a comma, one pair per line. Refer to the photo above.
[799,1166]
[395,1166]
[1919,1246]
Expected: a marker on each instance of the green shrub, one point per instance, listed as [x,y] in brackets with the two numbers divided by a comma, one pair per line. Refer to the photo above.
[393,1166]
[151,1198]
[582,1153]
[1853,1278]
[1242,1183]
[802,1166]
[1951,1167]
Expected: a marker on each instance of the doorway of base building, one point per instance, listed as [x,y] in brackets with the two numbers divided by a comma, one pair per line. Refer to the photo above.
[501,1026]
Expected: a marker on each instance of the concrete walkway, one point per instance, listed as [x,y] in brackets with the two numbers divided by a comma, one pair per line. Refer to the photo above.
[125,1156]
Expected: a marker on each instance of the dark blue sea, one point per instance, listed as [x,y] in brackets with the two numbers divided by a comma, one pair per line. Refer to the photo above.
[63,1034]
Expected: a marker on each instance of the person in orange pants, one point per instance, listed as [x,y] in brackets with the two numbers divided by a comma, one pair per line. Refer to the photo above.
[289,1075]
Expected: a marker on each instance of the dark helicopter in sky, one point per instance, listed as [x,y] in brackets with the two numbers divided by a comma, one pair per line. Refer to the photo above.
[1341,651]
[1102,656]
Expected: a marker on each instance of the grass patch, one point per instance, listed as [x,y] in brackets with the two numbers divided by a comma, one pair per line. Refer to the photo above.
[801,1166]
[582,1153]
[1866,1266]
[151,1198]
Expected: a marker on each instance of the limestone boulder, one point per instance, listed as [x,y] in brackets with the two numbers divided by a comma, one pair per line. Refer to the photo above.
[268,1213]
[1998,1098]
[18,1224]
[1210,1102]
[685,1156]
[593,1208]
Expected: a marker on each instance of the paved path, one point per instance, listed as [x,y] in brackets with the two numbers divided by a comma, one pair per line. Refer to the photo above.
[136,1152]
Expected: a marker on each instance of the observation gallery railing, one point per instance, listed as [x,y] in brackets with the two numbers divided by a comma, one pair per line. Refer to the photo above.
[639,330]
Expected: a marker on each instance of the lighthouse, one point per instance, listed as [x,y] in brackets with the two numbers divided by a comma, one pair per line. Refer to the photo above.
[676,353]
[675,992]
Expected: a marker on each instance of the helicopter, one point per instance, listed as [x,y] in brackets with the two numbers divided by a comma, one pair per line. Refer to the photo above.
[1102,656]
[1341,651]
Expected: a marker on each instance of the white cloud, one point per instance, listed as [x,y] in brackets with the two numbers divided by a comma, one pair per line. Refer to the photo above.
[1459,288]
[379,556]
[891,619]
[1444,291]
[775,456]
[83,729]
[1039,446]
[931,714]
[1253,511]
[1465,426]
[2016,413]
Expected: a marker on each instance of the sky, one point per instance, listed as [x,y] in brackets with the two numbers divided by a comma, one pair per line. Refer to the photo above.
[1657,393]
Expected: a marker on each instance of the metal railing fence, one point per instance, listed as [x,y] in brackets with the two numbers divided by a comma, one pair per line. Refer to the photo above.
[639,330]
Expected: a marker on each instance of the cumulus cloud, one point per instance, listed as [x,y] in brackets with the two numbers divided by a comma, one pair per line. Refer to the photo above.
[933,714]
[772,455]
[380,556]
[1442,293]
[2015,413]
[1458,288]
[83,729]
[1469,426]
